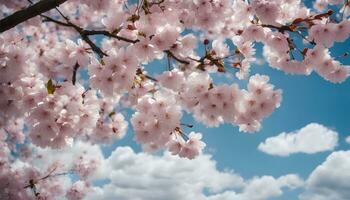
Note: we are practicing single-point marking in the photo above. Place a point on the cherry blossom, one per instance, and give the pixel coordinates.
(75, 73)
(77, 191)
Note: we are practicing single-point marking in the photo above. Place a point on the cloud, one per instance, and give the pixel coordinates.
(126, 175)
(141, 176)
(330, 180)
(66, 156)
(310, 139)
(265, 187)
(347, 139)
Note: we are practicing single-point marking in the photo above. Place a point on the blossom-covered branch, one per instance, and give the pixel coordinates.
(118, 47)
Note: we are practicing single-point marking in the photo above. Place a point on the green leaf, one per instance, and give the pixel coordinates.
(50, 87)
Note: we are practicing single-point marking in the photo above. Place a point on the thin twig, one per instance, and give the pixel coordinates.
(82, 33)
(150, 78)
(86, 33)
(169, 63)
(75, 69)
(279, 28)
(171, 54)
(106, 33)
(187, 125)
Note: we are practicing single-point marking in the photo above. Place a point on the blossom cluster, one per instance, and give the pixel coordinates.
(67, 75)
(214, 105)
(155, 119)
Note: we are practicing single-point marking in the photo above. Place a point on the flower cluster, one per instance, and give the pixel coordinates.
(22, 181)
(186, 146)
(86, 165)
(213, 105)
(116, 74)
(62, 115)
(155, 119)
(77, 191)
(65, 75)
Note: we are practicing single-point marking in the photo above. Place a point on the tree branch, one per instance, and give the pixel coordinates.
(74, 76)
(28, 13)
(281, 29)
(82, 33)
(171, 54)
(86, 33)
(108, 34)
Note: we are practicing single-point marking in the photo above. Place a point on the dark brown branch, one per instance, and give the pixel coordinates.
(279, 28)
(150, 78)
(293, 26)
(82, 33)
(28, 13)
(108, 34)
(86, 33)
(171, 54)
(93, 46)
(75, 69)
(140, 73)
(49, 19)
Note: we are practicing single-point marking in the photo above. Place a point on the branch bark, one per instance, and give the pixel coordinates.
(28, 13)
(75, 70)
(171, 54)
(84, 34)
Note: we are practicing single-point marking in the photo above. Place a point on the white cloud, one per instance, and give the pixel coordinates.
(310, 139)
(140, 176)
(265, 187)
(66, 156)
(347, 139)
(330, 180)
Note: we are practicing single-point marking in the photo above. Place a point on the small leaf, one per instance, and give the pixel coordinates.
(50, 87)
(140, 33)
(111, 114)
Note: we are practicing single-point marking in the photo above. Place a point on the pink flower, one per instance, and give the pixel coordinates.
(193, 147)
(77, 191)
(267, 11)
(338, 75)
(175, 147)
(277, 41)
(173, 80)
(144, 50)
(165, 38)
(254, 32)
(114, 20)
(78, 53)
